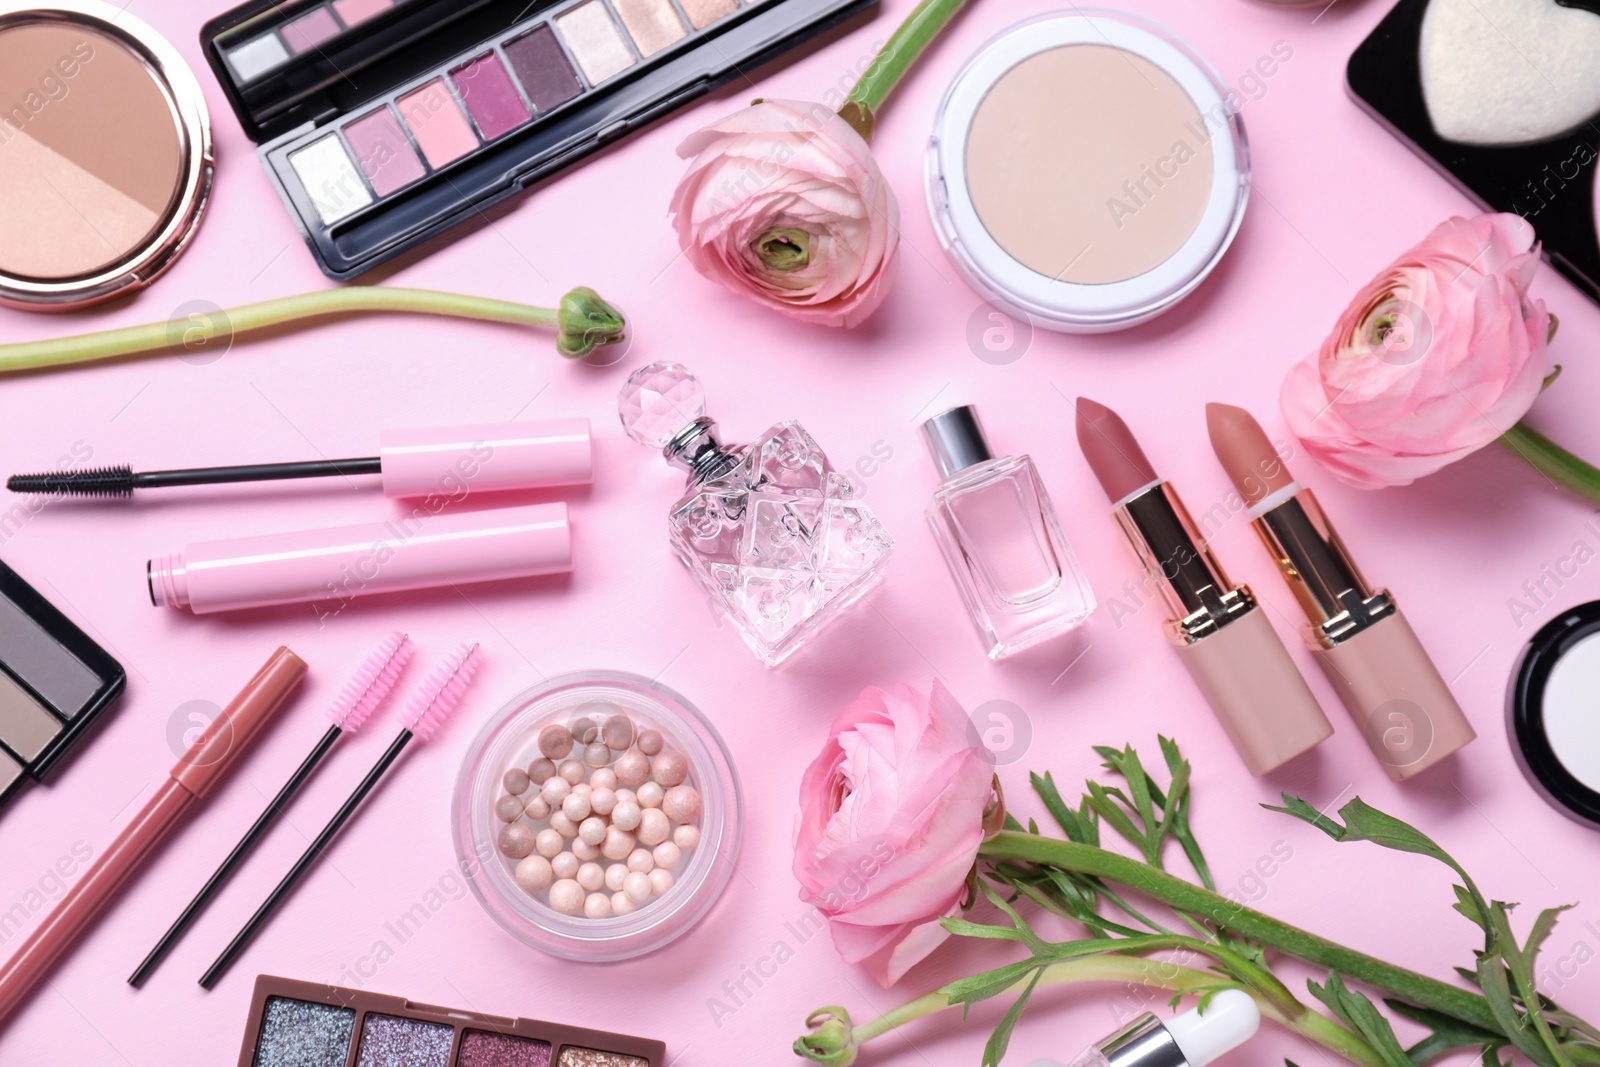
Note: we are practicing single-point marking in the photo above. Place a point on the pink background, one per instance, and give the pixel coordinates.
(1335, 198)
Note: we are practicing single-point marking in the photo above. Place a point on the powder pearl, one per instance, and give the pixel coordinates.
(615, 875)
(637, 887)
(654, 827)
(622, 904)
(593, 829)
(625, 816)
(666, 855)
(686, 837)
(618, 732)
(567, 897)
(516, 840)
(628, 795)
(660, 881)
(597, 906)
(549, 843)
(602, 801)
(583, 789)
(583, 850)
(534, 873)
(555, 741)
(640, 861)
(597, 755)
(603, 778)
(555, 790)
(651, 795)
(508, 808)
(576, 807)
(516, 781)
(565, 865)
(669, 768)
(651, 742)
(632, 768)
(563, 825)
(591, 876)
(585, 730)
(618, 843)
(541, 770)
(572, 771)
(538, 808)
(681, 804)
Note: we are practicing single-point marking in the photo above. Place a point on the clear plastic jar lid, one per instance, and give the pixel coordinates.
(511, 740)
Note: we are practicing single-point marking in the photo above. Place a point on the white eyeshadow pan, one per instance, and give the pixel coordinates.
(592, 35)
(330, 179)
(254, 58)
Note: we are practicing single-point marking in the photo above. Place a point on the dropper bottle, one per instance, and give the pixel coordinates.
(1193, 1039)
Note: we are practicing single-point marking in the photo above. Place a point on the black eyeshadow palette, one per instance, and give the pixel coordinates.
(384, 123)
(55, 682)
(1520, 139)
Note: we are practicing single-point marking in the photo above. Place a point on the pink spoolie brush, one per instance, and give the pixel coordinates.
(356, 703)
(423, 715)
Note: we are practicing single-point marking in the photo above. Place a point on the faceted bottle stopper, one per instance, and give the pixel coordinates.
(658, 401)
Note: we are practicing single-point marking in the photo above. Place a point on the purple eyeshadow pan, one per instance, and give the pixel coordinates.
(543, 69)
(308, 31)
(395, 1041)
(482, 1049)
(386, 157)
(492, 101)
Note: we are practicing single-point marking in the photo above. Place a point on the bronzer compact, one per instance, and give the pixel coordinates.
(1087, 170)
(105, 154)
(384, 123)
(1501, 97)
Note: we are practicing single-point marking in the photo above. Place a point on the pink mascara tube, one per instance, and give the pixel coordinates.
(420, 550)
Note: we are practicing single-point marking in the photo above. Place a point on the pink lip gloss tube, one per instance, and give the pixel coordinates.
(421, 550)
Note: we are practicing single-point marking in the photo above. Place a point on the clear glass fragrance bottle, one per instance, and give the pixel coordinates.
(994, 523)
(769, 529)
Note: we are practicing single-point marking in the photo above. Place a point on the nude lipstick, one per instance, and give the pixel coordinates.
(1221, 634)
(1364, 645)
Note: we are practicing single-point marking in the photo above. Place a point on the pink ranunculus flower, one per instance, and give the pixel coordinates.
(784, 203)
(891, 817)
(1437, 356)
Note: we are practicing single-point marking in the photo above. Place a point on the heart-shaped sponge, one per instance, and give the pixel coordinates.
(1498, 72)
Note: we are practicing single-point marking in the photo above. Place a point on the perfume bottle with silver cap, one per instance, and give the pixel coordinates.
(769, 529)
(998, 531)
(1193, 1039)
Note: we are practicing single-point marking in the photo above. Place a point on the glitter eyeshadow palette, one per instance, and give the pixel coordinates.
(54, 684)
(1453, 80)
(384, 123)
(302, 1024)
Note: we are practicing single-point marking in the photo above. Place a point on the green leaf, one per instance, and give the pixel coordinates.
(1446, 1032)
(1496, 986)
(1362, 1016)
(1064, 816)
(1304, 811)
(1101, 800)
(995, 1050)
(978, 987)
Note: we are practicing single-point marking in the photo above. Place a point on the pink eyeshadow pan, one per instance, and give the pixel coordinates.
(386, 157)
(308, 31)
(437, 123)
(354, 11)
(492, 101)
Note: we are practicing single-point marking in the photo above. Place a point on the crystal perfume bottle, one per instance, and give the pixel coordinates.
(994, 523)
(769, 529)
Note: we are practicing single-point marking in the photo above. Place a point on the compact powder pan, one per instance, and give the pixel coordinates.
(1551, 716)
(105, 154)
(1098, 215)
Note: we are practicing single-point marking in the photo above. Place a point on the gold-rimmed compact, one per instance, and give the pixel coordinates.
(105, 154)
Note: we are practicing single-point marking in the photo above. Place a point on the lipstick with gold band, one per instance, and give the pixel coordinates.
(1357, 634)
(1221, 634)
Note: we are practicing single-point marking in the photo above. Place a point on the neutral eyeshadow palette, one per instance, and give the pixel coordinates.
(1500, 96)
(54, 683)
(384, 123)
(302, 1024)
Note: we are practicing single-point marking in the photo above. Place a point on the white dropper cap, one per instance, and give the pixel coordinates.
(1231, 1018)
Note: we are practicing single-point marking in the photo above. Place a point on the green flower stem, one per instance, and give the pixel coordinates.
(1154, 973)
(583, 316)
(1086, 859)
(1553, 461)
(901, 50)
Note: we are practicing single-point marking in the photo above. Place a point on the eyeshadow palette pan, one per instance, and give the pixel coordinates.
(302, 1024)
(385, 122)
(54, 684)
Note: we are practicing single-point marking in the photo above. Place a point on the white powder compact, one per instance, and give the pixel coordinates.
(1550, 714)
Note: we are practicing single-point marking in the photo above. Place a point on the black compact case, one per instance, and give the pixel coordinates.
(299, 73)
(1550, 182)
